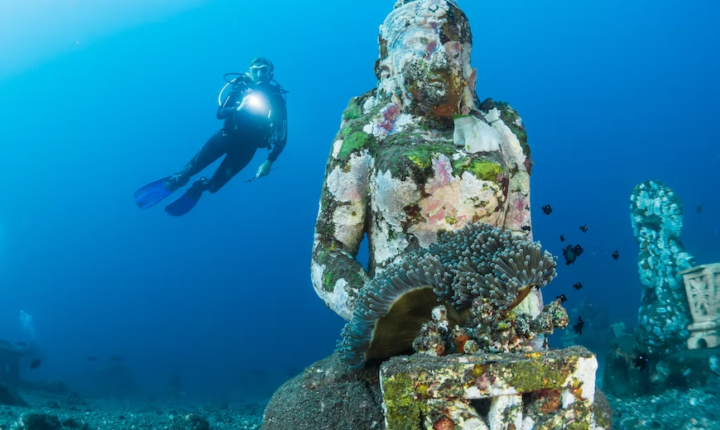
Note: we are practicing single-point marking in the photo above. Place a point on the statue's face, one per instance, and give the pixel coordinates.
(425, 57)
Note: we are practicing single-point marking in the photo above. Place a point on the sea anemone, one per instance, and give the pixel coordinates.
(391, 309)
(484, 261)
(477, 261)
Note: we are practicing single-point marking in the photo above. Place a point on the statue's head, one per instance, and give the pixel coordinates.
(424, 59)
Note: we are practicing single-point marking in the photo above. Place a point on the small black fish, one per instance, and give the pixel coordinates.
(616, 255)
(584, 228)
(578, 250)
(641, 361)
(579, 326)
(699, 209)
(578, 286)
(562, 298)
(35, 363)
(526, 228)
(21, 344)
(562, 238)
(547, 209)
(569, 254)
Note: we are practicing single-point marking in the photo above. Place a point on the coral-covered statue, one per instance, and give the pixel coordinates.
(416, 156)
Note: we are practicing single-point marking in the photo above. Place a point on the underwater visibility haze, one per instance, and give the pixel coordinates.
(218, 305)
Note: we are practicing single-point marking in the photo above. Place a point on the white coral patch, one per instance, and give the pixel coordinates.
(474, 135)
(348, 221)
(509, 144)
(390, 196)
(337, 299)
(336, 148)
(520, 183)
(584, 374)
(368, 105)
(505, 409)
(387, 246)
(403, 120)
(352, 185)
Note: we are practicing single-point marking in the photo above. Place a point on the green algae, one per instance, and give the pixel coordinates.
(353, 110)
(327, 282)
(339, 266)
(353, 142)
(402, 411)
(486, 170)
(535, 375)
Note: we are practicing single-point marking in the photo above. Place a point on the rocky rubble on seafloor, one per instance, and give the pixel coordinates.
(675, 409)
(46, 412)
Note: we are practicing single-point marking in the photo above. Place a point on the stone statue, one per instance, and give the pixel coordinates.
(663, 317)
(417, 155)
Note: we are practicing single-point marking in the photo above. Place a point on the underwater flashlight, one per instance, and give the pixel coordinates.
(255, 103)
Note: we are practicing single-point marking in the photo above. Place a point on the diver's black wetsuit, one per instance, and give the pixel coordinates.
(242, 134)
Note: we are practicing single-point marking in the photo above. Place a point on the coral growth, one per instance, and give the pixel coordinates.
(405, 285)
(479, 264)
(486, 262)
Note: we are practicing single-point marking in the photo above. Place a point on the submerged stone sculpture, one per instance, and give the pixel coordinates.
(548, 390)
(417, 155)
(439, 183)
(656, 216)
(702, 285)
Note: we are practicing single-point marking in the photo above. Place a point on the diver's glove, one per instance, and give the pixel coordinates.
(264, 169)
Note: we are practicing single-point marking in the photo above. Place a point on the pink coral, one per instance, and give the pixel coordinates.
(390, 114)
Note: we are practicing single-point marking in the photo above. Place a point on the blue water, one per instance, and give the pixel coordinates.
(96, 103)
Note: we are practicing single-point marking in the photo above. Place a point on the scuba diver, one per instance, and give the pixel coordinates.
(255, 116)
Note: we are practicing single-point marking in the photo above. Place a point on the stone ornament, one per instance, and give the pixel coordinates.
(702, 285)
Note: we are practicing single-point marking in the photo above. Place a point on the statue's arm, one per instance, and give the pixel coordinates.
(341, 224)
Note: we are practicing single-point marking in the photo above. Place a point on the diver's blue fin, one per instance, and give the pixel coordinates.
(183, 204)
(151, 194)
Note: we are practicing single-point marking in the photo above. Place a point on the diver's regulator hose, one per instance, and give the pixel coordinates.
(228, 83)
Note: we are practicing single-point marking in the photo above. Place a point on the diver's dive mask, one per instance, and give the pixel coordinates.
(259, 72)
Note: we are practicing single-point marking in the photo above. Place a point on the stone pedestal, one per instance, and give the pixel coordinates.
(539, 390)
(702, 285)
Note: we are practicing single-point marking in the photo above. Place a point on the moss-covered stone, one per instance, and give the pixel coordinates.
(423, 384)
(486, 170)
(403, 412)
(339, 266)
(354, 141)
(353, 110)
(535, 375)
